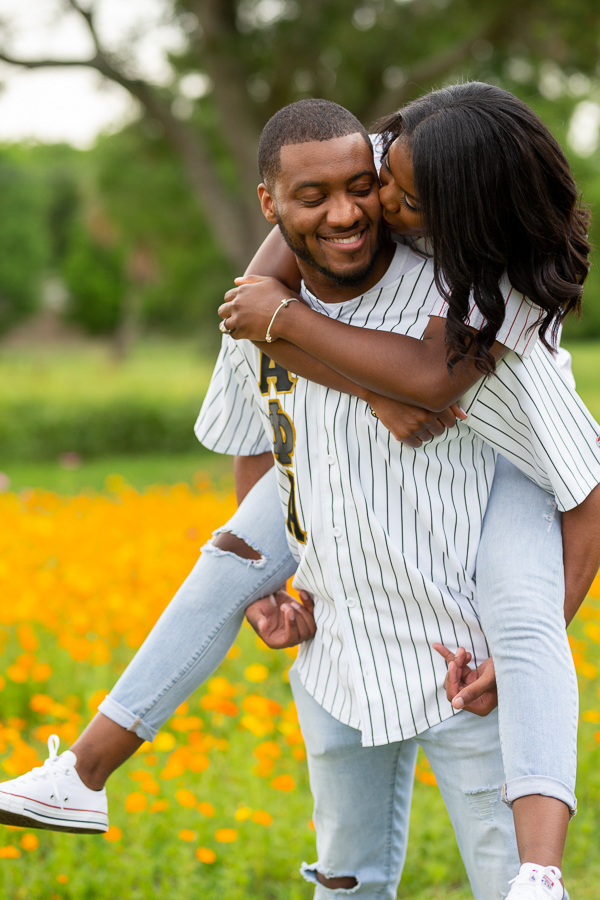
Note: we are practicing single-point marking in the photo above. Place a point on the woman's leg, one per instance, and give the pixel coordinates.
(192, 636)
(520, 586)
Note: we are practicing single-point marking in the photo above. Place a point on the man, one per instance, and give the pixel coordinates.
(385, 537)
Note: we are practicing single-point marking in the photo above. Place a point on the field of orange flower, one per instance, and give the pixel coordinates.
(218, 806)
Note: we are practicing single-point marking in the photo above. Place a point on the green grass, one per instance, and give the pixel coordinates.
(139, 471)
(586, 368)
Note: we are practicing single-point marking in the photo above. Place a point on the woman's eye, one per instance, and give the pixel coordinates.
(409, 205)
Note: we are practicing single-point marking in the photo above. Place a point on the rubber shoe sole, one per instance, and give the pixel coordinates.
(32, 814)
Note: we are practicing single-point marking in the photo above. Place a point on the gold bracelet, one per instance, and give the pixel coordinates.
(283, 303)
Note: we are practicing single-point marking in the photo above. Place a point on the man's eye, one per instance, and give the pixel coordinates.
(312, 200)
(362, 189)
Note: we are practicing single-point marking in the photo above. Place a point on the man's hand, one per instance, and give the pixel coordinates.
(471, 689)
(280, 621)
(411, 424)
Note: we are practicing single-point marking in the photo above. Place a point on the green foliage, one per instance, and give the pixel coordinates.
(94, 273)
(81, 401)
(24, 246)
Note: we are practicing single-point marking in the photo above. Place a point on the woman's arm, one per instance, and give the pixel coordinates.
(394, 365)
(275, 258)
(408, 423)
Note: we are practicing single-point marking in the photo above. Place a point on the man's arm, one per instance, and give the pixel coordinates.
(247, 470)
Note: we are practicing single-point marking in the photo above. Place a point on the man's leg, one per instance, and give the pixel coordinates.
(464, 753)
(362, 804)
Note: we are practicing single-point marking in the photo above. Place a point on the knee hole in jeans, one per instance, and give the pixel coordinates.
(228, 542)
(341, 882)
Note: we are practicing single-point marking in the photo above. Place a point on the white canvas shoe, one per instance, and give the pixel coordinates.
(537, 883)
(54, 797)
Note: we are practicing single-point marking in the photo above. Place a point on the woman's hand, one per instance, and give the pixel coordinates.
(250, 306)
(411, 424)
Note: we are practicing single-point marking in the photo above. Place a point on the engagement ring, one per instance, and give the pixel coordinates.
(223, 328)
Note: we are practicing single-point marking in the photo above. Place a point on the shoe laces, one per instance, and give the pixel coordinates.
(534, 878)
(50, 767)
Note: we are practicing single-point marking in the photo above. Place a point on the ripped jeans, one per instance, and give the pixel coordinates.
(362, 801)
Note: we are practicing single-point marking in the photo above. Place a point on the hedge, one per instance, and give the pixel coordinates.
(32, 430)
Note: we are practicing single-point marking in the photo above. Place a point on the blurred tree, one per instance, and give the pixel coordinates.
(243, 59)
(24, 249)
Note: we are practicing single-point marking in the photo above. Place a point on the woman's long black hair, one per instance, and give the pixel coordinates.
(496, 195)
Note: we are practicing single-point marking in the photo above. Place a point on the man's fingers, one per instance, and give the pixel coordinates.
(307, 601)
(443, 651)
(474, 691)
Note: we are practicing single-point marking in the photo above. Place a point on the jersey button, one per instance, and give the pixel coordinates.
(331, 460)
(337, 532)
(350, 602)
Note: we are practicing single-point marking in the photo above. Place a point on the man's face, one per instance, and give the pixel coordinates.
(326, 203)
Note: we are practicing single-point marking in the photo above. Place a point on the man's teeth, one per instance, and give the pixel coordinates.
(346, 240)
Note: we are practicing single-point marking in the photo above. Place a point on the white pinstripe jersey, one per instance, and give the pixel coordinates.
(385, 535)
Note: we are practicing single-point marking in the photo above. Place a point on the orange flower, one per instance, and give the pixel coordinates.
(262, 818)
(206, 855)
(256, 673)
(186, 798)
(226, 835)
(113, 834)
(207, 809)
(283, 783)
(158, 806)
(62, 879)
(29, 842)
(186, 834)
(9, 852)
(136, 802)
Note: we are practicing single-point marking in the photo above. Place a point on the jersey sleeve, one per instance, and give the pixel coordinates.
(530, 414)
(230, 420)
(518, 332)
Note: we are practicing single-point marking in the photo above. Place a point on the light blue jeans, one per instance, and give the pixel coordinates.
(520, 587)
(362, 799)
(520, 590)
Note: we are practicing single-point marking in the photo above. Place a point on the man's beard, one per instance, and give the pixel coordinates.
(354, 279)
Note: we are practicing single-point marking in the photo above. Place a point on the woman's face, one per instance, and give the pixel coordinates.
(401, 211)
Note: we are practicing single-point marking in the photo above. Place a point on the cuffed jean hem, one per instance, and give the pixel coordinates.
(539, 784)
(126, 719)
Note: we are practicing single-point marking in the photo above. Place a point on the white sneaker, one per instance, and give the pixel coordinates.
(536, 883)
(54, 797)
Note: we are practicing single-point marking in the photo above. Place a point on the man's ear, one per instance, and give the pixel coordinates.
(267, 204)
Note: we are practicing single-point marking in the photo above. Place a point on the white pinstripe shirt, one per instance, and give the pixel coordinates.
(385, 535)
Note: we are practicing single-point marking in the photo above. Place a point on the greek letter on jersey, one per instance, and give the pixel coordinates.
(271, 373)
(284, 433)
(293, 525)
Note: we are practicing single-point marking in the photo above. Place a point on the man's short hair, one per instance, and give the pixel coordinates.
(299, 123)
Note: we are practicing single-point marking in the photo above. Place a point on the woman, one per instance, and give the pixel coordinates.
(474, 170)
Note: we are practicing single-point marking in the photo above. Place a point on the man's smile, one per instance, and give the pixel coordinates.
(347, 242)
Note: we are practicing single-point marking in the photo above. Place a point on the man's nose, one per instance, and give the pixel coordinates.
(343, 212)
